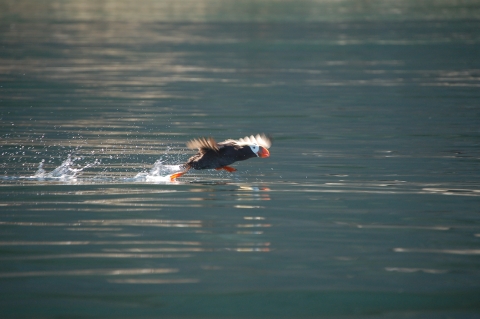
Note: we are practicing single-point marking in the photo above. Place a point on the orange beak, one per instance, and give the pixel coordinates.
(263, 152)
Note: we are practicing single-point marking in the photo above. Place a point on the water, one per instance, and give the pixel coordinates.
(367, 208)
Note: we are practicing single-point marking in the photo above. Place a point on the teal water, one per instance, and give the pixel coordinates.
(367, 208)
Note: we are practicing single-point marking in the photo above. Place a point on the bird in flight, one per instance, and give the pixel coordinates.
(213, 155)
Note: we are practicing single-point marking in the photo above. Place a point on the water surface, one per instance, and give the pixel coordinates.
(367, 207)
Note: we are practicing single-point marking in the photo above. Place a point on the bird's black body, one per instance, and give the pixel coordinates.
(213, 155)
(224, 156)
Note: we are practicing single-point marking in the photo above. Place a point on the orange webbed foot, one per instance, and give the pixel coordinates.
(173, 177)
(227, 168)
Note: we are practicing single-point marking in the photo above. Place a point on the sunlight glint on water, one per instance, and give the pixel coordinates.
(367, 206)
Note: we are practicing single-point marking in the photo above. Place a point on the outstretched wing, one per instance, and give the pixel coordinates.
(203, 144)
(259, 139)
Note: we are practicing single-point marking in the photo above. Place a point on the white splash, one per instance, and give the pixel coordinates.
(160, 172)
(66, 170)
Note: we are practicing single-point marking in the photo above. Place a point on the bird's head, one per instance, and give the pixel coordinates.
(260, 151)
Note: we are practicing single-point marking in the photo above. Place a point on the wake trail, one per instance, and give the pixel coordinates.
(70, 171)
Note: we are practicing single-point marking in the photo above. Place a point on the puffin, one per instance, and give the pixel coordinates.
(213, 155)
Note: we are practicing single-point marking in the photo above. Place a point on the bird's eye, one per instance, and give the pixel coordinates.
(255, 148)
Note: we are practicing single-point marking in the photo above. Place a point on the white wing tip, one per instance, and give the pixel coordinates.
(259, 139)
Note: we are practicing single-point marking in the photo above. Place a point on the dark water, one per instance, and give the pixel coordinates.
(367, 207)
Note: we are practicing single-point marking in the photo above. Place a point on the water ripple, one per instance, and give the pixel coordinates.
(414, 270)
(438, 251)
(89, 272)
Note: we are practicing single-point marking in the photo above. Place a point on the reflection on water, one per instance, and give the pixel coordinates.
(234, 11)
(131, 250)
(69, 243)
(90, 272)
(98, 256)
(413, 270)
(368, 204)
(153, 281)
(440, 251)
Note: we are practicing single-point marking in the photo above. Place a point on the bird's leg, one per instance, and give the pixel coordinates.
(227, 168)
(173, 177)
